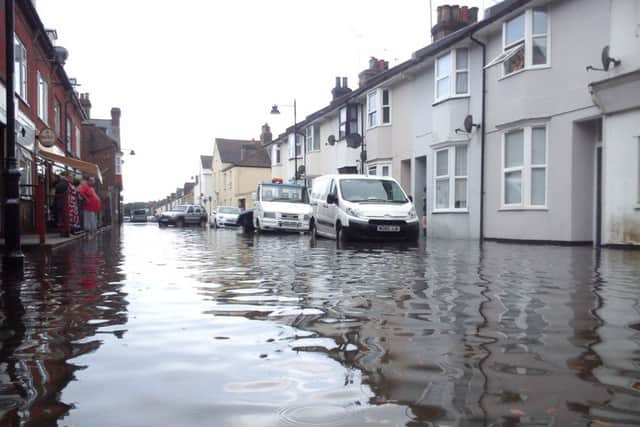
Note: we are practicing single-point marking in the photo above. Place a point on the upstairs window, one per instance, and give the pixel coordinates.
(378, 108)
(525, 42)
(347, 120)
(68, 135)
(43, 99)
(298, 145)
(20, 63)
(313, 138)
(276, 154)
(57, 119)
(452, 74)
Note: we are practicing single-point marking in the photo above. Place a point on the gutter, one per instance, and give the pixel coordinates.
(483, 131)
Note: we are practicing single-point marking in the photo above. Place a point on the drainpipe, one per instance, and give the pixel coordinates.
(483, 132)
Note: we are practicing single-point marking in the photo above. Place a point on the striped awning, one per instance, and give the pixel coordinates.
(84, 167)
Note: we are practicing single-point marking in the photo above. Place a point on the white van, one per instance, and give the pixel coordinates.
(359, 207)
(280, 206)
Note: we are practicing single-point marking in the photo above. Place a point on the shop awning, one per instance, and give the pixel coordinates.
(84, 167)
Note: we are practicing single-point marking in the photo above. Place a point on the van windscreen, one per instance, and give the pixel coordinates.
(371, 191)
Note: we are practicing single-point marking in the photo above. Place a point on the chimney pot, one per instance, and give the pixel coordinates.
(337, 82)
(345, 84)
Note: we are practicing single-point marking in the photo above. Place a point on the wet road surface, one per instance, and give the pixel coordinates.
(196, 327)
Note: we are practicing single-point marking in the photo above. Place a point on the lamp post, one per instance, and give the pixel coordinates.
(275, 110)
(13, 258)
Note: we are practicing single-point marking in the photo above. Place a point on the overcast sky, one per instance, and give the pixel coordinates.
(187, 72)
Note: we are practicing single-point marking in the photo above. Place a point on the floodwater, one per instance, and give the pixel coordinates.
(195, 327)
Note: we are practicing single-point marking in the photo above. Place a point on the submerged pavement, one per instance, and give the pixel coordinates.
(145, 327)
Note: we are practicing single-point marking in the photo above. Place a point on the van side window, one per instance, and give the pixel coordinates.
(190, 210)
(334, 188)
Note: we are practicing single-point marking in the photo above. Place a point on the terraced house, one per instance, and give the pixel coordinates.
(493, 127)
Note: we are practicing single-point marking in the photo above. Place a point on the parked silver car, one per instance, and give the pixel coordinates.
(182, 215)
(223, 216)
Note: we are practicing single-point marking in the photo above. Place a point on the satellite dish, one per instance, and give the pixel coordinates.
(331, 140)
(607, 60)
(354, 140)
(363, 155)
(468, 123)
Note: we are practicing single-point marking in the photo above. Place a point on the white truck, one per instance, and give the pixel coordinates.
(281, 207)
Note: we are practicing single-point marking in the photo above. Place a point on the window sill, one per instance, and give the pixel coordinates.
(523, 208)
(293, 158)
(383, 125)
(313, 151)
(441, 101)
(522, 70)
(450, 211)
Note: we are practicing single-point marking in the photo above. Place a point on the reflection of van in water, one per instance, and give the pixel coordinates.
(139, 215)
(358, 206)
(281, 206)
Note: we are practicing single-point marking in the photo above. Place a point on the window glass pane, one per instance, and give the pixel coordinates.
(385, 97)
(461, 161)
(538, 146)
(442, 194)
(461, 194)
(373, 119)
(443, 88)
(442, 162)
(372, 170)
(461, 82)
(462, 59)
(537, 186)
(443, 66)
(514, 149)
(515, 62)
(385, 171)
(513, 187)
(539, 50)
(373, 102)
(514, 30)
(386, 114)
(539, 22)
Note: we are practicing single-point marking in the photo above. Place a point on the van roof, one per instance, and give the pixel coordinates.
(356, 176)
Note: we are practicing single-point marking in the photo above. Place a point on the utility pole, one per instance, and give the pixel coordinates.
(13, 258)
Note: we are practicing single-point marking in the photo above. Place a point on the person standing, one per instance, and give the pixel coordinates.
(91, 207)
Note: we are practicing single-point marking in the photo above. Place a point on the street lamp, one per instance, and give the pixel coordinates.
(275, 110)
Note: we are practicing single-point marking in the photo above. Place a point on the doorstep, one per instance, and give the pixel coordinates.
(52, 240)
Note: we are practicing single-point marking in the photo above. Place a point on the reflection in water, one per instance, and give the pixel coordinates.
(50, 319)
(245, 330)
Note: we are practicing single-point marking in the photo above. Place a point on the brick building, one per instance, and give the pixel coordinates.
(44, 98)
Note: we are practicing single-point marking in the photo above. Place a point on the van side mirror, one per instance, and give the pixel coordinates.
(410, 198)
(332, 199)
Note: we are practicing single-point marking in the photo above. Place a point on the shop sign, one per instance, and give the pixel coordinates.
(47, 137)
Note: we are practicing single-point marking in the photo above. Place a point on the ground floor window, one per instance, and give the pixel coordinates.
(524, 170)
(450, 178)
(379, 169)
(25, 163)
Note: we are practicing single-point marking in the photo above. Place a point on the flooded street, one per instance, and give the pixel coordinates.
(196, 327)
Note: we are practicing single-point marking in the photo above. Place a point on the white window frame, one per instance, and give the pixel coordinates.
(313, 139)
(451, 177)
(43, 98)
(526, 169)
(378, 167)
(452, 75)
(57, 117)
(342, 125)
(21, 68)
(511, 49)
(277, 155)
(78, 138)
(377, 108)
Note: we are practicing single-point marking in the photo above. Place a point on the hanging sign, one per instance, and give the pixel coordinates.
(47, 137)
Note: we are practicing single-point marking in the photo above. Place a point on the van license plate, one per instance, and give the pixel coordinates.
(387, 228)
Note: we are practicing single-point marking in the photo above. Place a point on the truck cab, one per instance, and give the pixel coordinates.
(281, 206)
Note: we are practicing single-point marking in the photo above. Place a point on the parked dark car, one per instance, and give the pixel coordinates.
(182, 215)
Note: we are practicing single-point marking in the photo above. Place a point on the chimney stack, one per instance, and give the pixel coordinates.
(86, 104)
(265, 136)
(340, 90)
(453, 18)
(376, 66)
